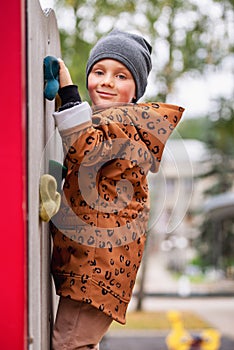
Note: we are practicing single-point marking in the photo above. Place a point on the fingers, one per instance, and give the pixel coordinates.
(64, 75)
(61, 63)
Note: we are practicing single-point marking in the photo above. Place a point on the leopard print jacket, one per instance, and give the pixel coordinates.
(100, 230)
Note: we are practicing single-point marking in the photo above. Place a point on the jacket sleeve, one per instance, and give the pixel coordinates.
(84, 141)
(116, 132)
(156, 122)
(76, 117)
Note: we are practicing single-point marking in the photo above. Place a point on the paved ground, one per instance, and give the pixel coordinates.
(148, 343)
(133, 343)
(218, 312)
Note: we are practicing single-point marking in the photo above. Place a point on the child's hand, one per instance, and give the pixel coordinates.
(64, 75)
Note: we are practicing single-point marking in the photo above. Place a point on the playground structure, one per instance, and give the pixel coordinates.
(28, 141)
(180, 339)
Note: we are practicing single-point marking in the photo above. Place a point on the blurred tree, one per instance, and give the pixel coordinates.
(215, 243)
(186, 38)
(221, 143)
(193, 128)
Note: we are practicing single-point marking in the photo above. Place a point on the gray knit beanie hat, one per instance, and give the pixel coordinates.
(131, 50)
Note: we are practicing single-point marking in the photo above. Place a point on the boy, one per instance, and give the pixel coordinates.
(100, 230)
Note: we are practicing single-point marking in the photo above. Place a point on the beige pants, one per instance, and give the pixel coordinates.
(78, 326)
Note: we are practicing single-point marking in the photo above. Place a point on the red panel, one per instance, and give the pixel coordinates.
(13, 299)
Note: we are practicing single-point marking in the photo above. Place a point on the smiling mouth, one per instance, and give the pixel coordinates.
(106, 93)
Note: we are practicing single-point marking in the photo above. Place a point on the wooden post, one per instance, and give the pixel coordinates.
(43, 144)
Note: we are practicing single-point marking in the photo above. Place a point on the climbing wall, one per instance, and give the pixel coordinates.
(43, 144)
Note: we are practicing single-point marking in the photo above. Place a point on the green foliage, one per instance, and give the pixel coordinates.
(181, 35)
(216, 244)
(222, 129)
(220, 141)
(194, 128)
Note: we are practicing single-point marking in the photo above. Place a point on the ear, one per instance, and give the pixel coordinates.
(50, 199)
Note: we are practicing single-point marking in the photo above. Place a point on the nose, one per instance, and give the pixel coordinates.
(107, 80)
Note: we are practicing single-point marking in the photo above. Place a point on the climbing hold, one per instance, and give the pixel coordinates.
(51, 77)
(50, 199)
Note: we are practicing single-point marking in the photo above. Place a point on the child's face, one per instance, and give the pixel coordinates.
(110, 81)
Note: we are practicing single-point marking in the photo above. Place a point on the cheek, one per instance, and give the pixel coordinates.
(129, 91)
(90, 83)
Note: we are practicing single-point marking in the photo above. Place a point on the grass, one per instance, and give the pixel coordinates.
(146, 320)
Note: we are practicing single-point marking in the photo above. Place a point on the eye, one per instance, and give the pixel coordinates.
(121, 76)
(98, 72)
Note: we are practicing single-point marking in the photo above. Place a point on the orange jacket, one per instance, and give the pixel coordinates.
(100, 230)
